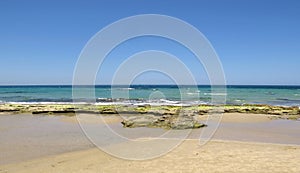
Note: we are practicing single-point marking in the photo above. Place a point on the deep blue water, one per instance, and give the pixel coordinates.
(273, 95)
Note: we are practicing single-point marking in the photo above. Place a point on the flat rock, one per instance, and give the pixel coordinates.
(165, 121)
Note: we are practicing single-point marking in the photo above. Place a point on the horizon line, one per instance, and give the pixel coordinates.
(150, 85)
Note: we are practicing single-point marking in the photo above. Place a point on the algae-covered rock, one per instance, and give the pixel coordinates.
(183, 122)
(108, 111)
(139, 121)
(166, 122)
(279, 111)
(198, 125)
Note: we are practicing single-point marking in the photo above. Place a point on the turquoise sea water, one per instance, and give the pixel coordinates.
(273, 95)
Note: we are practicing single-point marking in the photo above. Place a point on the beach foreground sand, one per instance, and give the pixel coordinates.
(46, 144)
(215, 156)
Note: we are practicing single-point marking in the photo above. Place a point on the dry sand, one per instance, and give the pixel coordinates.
(215, 156)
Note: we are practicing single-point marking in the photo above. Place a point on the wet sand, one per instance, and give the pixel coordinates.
(52, 143)
(25, 136)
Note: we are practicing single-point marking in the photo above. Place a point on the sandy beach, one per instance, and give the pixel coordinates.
(216, 156)
(243, 143)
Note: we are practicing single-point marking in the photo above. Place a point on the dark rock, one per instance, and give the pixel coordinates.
(9, 110)
(108, 111)
(40, 112)
(144, 106)
(54, 112)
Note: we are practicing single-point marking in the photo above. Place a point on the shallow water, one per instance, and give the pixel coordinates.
(275, 131)
(26, 137)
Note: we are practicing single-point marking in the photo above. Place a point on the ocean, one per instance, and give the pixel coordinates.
(154, 94)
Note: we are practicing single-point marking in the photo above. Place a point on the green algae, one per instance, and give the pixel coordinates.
(156, 110)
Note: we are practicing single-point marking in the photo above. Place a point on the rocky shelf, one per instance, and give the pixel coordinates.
(169, 117)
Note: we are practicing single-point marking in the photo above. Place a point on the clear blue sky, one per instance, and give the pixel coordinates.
(258, 41)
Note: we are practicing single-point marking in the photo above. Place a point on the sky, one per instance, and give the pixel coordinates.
(257, 41)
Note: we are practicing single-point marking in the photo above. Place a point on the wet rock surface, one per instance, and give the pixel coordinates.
(163, 115)
(178, 122)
